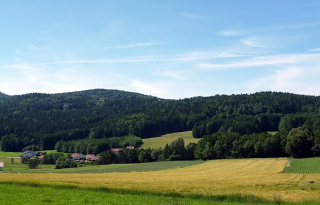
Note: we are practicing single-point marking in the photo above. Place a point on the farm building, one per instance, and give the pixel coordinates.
(29, 154)
(116, 150)
(1, 165)
(77, 156)
(92, 157)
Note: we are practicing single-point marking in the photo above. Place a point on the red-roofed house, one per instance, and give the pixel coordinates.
(116, 150)
(77, 156)
(1, 165)
(92, 157)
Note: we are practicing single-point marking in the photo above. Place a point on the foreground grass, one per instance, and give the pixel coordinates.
(303, 166)
(161, 141)
(138, 167)
(24, 194)
(261, 178)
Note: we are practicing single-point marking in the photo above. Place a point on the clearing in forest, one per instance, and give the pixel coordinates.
(156, 142)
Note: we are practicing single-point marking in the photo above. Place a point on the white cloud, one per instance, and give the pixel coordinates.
(299, 80)
(315, 50)
(231, 33)
(251, 42)
(135, 45)
(281, 80)
(159, 89)
(172, 74)
(194, 56)
(272, 60)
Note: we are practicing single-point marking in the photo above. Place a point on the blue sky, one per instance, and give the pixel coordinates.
(170, 49)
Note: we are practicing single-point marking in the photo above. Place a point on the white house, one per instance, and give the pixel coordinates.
(1, 165)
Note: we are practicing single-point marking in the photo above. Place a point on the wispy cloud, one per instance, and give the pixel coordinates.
(294, 79)
(160, 89)
(193, 56)
(135, 45)
(281, 80)
(176, 75)
(251, 42)
(231, 33)
(315, 50)
(290, 27)
(272, 60)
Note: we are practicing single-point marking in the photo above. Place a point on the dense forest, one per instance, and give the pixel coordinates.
(47, 119)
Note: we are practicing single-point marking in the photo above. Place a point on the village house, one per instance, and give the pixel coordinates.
(77, 156)
(92, 158)
(1, 165)
(29, 154)
(116, 150)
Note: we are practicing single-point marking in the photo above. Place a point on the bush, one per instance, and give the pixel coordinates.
(33, 163)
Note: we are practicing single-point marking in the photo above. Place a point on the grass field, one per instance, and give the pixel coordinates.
(161, 141)
(139, 167)
(17, 194)
(303, 166)
(10, 154)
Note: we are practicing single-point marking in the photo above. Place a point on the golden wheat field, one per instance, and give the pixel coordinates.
(260, 177)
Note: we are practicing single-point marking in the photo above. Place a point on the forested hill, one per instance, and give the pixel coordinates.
(43, 119)
(3, 96)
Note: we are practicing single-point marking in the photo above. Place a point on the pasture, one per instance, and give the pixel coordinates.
(161, 141)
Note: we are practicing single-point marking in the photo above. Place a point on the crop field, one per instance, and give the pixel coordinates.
(246, 177)
(161, 141)
(303, 166)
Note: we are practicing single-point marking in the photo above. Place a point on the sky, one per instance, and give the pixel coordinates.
(169, 49)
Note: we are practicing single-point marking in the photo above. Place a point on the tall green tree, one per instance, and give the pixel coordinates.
(299, 142)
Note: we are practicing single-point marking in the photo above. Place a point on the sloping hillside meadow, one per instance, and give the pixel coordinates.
(156, 142)
(258, 177)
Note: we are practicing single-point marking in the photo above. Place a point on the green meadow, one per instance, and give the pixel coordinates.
(156, 142)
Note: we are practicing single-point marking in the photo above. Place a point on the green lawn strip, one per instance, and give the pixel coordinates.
(10, 154)
(23, 193)
(138, 167)
(303, 166)
(161, 141)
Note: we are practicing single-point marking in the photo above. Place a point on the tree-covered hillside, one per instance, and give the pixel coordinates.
(44, 120)
(3, 96)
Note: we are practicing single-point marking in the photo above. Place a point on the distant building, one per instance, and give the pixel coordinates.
(92, 157)
(77, 156)
(29, 154)
(116, 150)
(130, 147)
(1, 165)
